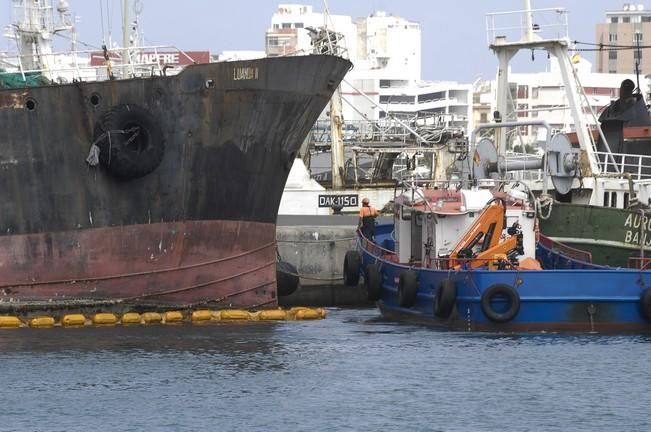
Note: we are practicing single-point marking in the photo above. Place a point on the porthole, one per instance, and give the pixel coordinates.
(30, 104)
(94, 99)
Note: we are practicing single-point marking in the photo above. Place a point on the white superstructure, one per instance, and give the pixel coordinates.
(34, 25)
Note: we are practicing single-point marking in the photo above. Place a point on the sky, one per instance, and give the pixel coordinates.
(454, 45)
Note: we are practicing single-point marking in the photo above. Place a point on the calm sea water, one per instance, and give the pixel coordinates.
(350, 372)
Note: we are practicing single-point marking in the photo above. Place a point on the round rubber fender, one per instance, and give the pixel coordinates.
(645, 304)
(445, 299)
(352, 266)
(287, 279)
(374, 282)
(407, 288)
(504, 290)
(130, 141)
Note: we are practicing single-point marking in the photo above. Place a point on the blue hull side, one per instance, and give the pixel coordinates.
(588, 300)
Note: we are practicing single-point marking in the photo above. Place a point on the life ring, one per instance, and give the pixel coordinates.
(374, 285)
(446, 297)
(645, 304)
(352, 265)
(130, 142)
(407, 288)
(503, 290)
(287, 279)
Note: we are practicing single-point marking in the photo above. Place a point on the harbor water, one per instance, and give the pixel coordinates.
(352, 371)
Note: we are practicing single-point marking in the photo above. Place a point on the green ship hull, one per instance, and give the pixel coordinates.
(612, 236)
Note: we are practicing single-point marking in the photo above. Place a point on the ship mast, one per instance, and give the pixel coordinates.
(126, 58)
(336, 118)
(558, 47)
(33, 28)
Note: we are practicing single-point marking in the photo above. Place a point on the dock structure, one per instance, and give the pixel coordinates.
(316, 246)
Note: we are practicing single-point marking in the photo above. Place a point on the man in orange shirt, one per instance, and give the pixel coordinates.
(367, 215)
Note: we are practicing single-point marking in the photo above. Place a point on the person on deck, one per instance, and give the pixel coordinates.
(367, 215)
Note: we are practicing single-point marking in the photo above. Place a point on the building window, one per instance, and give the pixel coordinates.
(523, 110)
(276, 26)
(602, 91)
(534, 93)
(298, 25)
(483, 118)
(626, 19)
(614, 20)
(646, 19)
(612, 37)
(523, 92)
(272, 41)
(612, 55)
(287, 25)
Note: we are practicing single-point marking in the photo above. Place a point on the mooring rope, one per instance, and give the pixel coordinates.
(318, 241)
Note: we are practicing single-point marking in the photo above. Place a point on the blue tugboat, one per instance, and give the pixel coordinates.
(468, 254)
(465, 259)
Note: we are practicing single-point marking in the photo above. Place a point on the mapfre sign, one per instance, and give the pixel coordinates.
(172, 58)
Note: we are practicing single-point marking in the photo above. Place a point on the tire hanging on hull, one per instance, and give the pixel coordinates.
(352, 265)
(130, 141)
(287, 279)
(373, 280)
(502, 290)
(645, 304)
(446, 297)
(407, 288)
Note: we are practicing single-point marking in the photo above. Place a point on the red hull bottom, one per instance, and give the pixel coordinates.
(221, 264)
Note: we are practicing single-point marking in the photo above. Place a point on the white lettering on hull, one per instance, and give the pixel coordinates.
(245, 73)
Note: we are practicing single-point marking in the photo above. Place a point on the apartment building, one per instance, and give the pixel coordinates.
(622, 39)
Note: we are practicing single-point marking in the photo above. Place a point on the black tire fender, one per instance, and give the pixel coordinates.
(287, 279)
(352, 266)
(407, 288)
(374, 282)
(645, 304)
(507, 291)
(130, 141)
(445, 298)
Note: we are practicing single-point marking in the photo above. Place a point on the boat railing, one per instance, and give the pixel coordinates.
(375, 249)
(638, 166)
(577, 254)
(547, 23)
(384, 131)
(438, 263)
(129, 62)
(638, 263)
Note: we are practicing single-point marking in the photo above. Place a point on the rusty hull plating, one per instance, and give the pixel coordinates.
(197, 230)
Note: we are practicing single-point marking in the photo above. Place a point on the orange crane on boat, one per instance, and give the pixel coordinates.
(481, 243)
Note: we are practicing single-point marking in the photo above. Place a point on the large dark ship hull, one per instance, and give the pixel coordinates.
(189, 223)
